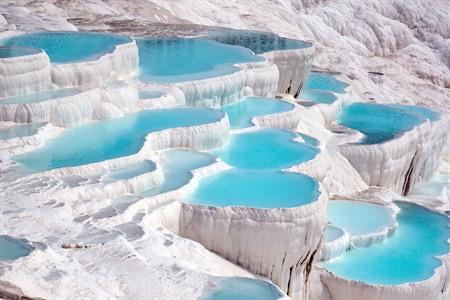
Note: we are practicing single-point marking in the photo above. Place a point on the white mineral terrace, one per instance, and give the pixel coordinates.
(106, 176)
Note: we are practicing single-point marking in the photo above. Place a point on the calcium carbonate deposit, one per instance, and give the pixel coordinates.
(225, 150)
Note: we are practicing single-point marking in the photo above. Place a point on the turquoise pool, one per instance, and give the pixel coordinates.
(110, 139)
(241, 113)
(166, 60)
(332, 233)
(325, 82)
(13, 51)
(177, 167)
(236, 288)
(407, 256)
(69, 46)
(11, 248)
(317, 96)
(255, 188)
(265, 149)
(359, 218)
(41, 96)
(259, 42)
(380, 123)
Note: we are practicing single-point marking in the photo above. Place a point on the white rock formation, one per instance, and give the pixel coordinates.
(278, 243)
(23, 75)
(121, 64)
(401, 162)
(95, 104)
(253, 79)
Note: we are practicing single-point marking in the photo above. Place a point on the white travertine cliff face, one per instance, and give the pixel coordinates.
(254, 78)
(23, 75)
(293, 66)
(278, 243)
(121, 64)
(400, 163)
(95, 104)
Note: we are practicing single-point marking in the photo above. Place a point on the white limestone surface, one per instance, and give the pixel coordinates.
(278, 243)
(260, 78)
(120, 64)
(94, 104)
(293, 65)
(23, 75)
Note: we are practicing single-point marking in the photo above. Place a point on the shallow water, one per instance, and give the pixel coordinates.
(41, 96)
(68, 47)
(325, 82)
(317, 96)
(380, 123)
(359, 218)
(21, 130)
(407, 256)
(265, 149)
(259, 189)
(110, 139)
(332, 233)
(241, 113)
(11, 248)
(258, 42)
(168, 60)
(8, 52)
(235, 288)
(177, 167)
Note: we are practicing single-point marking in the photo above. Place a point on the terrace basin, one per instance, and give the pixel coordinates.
(258, 189)
(235, 288)
(169, 60)
(111, 139)
(317, 96)
(177, 167)
(407, 256)
(11, 248)
(380, 122)
(359, 218)
(265, 149)
(325, 82)
(69, 47)
(241, 113)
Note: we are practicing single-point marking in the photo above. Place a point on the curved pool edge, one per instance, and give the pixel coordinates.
(416, 152)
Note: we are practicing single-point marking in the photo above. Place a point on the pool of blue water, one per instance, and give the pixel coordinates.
(177, 167)
(317, 96)
(324, 81)
(265, 149)
(11, 248)
(41, 96)
(168, 60)
(21, 130)
(110, 139)
(258, 42)
(69, 47)
(235, 288)
(407, 256)
(309, 139)
(255, 188)
(241, 113)
(132, 170)
(332, 233)
(8, 52)
(359, 218)
(150, 94)
(380, 123)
